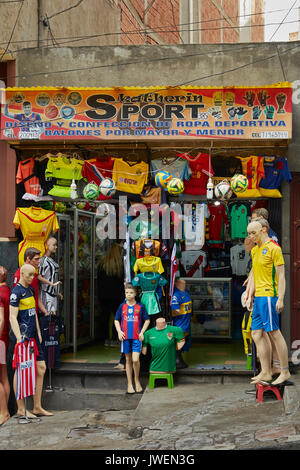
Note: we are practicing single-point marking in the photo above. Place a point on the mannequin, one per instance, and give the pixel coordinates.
(181, 305)
(23, 294)
(267, 293)
(4, 341)
(48, 276)
(164, 341)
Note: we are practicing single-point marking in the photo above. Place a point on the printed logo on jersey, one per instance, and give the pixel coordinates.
(265, 251)
(13, 298)
(170, 336)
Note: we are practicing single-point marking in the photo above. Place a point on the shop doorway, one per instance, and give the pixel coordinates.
(295, 258)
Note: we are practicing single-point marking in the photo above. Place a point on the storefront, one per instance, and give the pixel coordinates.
(128, 135)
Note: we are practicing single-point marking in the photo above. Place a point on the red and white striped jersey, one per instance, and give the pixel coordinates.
(24, 360)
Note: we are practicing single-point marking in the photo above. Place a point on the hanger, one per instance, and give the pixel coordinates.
(43, 157)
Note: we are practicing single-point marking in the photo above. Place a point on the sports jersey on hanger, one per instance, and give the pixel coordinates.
(24, 360)
(194, 262)
(201, 169)
(149, 263)
(239, 259)
(51, 328)
(149, 282)
(146, 247)
(181, 301)
(36, 225)
(129, 176)
(64, 168)
(217, 221)
(96, 170)
(194, 225)
(276, 169)
(253, 168)
(239, 218)
(26, 174)
(178, 168)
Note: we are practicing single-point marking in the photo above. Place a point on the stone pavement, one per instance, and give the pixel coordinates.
(188, 417)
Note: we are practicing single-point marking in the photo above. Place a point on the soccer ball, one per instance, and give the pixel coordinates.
(175, 186)
(223, 190)
(60, 207)
(81, 205)
(107, 187)
(239, 183)
(162, 178)
(91, 191)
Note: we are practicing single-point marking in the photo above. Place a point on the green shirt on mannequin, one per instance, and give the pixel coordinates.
(163, 347)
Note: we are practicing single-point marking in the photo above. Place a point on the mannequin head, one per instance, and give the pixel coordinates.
(32, 256)
(160, 323)
(51, 246)
(258, 231)
(130, 292)
(3, 274)
(27, 273)
(180, 284)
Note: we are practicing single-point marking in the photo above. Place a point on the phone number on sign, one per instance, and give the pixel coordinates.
(272, 135)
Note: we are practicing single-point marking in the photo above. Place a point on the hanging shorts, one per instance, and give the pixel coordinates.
(131, 345)
(264, 315)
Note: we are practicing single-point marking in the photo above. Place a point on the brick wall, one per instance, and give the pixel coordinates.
(257, 32)
(160, 21)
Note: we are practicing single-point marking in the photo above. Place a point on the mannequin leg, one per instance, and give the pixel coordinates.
(282, 351)
(264, 353)
(136, 370)
(129, 369)
(4, 414)
(37, 398)
(21, 403)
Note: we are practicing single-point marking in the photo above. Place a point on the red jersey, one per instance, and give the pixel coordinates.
(4, 302)
(24, 360)
(34, 284)
(201, 170)
(253, 168)
(217, 221)
(96, 170)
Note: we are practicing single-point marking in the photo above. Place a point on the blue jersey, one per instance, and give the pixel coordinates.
(181, 301)
(131, 319)
(24, 299)
(178, 168)
(276, 170)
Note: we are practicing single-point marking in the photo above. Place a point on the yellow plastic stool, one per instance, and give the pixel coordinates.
(168, 377)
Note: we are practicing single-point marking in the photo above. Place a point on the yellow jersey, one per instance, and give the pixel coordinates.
(36, 224)
(264, 260)
(149, 264)
(130, 177)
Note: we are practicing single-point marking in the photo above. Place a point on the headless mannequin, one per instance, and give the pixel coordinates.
(27, 273)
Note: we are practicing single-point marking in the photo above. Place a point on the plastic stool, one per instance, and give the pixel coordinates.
(168, 377)
(260, 389)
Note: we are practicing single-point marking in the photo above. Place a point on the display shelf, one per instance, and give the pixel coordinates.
(214, 320)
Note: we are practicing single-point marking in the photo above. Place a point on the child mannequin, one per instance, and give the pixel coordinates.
(129, 320)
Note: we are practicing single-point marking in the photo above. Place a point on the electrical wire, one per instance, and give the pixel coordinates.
(13, 30)
(159, 28)
(283, 20)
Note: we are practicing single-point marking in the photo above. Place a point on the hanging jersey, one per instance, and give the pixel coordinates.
(146, 247)
(194, 225)
(131, 319)
(23, 298)
(150, 263)
(149, 283)
(4, 303)
(64, 168)
(264, 260)
(253, 169)
(194, 262)
(36, 225)
(178, 168)
(201, 170)
(51, 328)
(173, 271)
(239, 219)
(181, 301)
(96, 170)
(24, 360)
(49, 269)
(26, 174)
(130, 177)
(239, 259)
(217, 221)
(276, 169)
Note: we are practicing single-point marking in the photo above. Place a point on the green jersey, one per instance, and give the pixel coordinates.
(239, 220)
(163, 347)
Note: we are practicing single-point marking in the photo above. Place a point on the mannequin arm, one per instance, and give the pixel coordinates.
(180, 345)
(13, 315)
(46, 281)
(121, 335)
(42, 307)
(145, 326)
(144, 350)
(281, 287)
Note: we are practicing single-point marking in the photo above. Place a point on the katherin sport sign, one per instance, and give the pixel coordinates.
(147, 113)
